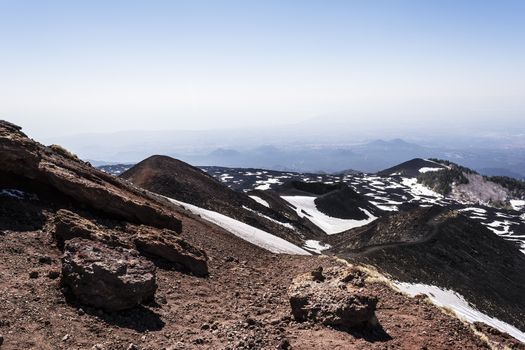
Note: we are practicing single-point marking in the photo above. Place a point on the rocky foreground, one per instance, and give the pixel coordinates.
(88, 261)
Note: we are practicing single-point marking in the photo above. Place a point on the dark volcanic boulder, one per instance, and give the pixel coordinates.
(173, 249)
(109, 279)
(67, 225)
(332, 298)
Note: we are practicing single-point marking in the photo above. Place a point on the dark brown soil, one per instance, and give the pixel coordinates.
(243, 304)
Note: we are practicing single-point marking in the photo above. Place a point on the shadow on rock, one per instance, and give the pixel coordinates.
(18, 214)
(173, 266)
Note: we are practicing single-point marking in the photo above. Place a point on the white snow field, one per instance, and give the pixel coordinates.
(249, 233)
(316, 246)
(266, 184)
(426, 169)
(421, 192)
(260, 201)
(517, 204)
(305, 207)
(459, 305)
(284, 224)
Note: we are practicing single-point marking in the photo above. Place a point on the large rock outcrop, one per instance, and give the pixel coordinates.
(149, 241)
(66, 225)
(332, 298)
(55, 168)
(166, 245)
(109, 279)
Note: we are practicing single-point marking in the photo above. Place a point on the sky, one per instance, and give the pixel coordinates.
(69, 67)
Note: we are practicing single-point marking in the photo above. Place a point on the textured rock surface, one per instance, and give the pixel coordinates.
(67, 225)
(109, 279)
(173, 249)
(332, 298)
(22, 157)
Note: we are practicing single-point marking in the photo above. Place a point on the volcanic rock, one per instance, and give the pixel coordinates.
(46, 168)
(109, 279)
(67, 225)
(332, 300)
(173, 249)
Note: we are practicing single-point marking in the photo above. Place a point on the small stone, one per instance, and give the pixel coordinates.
(317, 274)
(97, 347)
(162, 300)
(66, 337)
(53, 274)
(275, 321)
(81, 312)
(1, 339)
(45, 260)
(205, 326)
(33, 274)
(284, 345)
(231, 259)
(199, 341)
(133, 347)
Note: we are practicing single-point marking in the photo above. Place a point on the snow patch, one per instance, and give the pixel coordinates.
(305, 207)
(456, 302)
(316, 246)
(421, 192)
(517, 204)
(249, 233)
(500, 227)
(284, 224)
(478, 211)
(260, 201)
(264, 185)
(427, 169)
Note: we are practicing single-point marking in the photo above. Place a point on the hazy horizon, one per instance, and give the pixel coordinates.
(107, 66)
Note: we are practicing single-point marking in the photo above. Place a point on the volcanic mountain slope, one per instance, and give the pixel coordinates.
(176, 179)
(412, 168)
(335, 200)
(440, 247)
(460, 183)
(183, 182)
(63, 221)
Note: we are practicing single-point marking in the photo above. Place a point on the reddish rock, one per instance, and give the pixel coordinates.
(174, 249)
(109, 279)
(330, 298)
(57, 169)
(67, 225)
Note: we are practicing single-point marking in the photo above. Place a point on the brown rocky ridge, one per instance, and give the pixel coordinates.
(63, 223)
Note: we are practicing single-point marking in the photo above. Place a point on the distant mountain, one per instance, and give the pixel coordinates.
(178, 180)
(412, 168)
(304, 147)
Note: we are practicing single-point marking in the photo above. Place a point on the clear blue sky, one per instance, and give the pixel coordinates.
(78, 66)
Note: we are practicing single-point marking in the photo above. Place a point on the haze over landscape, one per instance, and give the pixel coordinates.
(211, 82)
